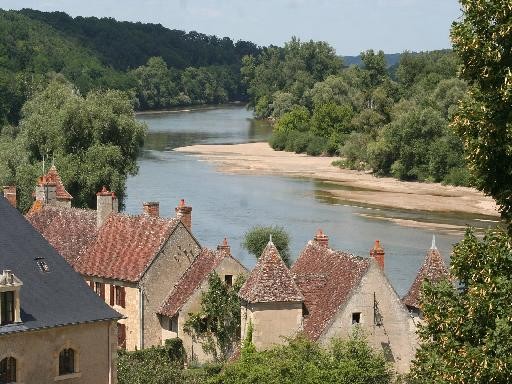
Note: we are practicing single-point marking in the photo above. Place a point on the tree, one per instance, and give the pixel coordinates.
(466, 337)
(94, 140)
(256, 239)
(217, 325)
(482, 39)
(349, 361)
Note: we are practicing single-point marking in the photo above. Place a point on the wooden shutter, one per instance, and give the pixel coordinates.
(102, 291)
(91, 284)
(111, 295)
(123, 295)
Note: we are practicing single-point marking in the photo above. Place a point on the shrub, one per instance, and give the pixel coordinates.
(278, 140)
(457, 176)
(316, 146)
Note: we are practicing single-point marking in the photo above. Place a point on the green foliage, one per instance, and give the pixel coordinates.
(257, 238)
(94, 141)
(175, 350)
(481, 38)
(349, 361)
(467, 333)
(148, 366)
(217, 325)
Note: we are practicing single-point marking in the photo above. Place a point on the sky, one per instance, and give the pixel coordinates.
(350, 26)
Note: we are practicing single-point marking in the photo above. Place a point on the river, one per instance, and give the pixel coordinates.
(227, 205)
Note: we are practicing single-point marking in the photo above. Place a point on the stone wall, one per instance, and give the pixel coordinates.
(272, 322)
(397, 332)
(172, 261)
(37, 353)
(194, 351)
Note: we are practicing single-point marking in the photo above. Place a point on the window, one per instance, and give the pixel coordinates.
(228, 279)
(120, 295)
(8, 370)
(41, 263)
(173, 324)
(121, 336)
(7, 307)
(99, 288)
(356, 317)
(66, 361)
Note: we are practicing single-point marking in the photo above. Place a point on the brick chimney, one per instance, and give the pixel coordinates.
(10, 194)
(151, 208)
(106, 203)
(322, 239)
(224, 247)
(184, 213)
(377, 252)
(46, 191)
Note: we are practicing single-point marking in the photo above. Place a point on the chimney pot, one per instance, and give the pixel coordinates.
(184, 213)
(224, 247)
(322, 239)
(377, 252)
(151, 208)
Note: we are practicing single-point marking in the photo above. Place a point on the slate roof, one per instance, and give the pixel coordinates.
(70, 231)
(327, 279)
(192, 279)
(270, 280)
(47, 299)
(54, 177)
(433, 269)
(125, 246)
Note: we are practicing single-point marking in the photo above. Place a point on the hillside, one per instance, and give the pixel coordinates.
(125, 45)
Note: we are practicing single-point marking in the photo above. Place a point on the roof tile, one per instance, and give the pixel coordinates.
(433, 269)
(326, 279)
(270, 280)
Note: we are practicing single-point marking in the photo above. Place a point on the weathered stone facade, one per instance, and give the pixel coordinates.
(393, 332)
(37, 353)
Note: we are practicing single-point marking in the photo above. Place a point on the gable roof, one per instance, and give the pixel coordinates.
(125, 246)
(433, 269)
(47, 299)
(270, 280)
(192, 279)
(327, 279)
(70, 231)
(54, 177)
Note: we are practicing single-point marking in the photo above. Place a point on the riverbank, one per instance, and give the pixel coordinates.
(343, 184)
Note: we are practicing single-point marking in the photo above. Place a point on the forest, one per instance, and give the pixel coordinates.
(391, 120)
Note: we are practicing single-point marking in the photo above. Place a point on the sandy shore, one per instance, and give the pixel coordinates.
(347, 185)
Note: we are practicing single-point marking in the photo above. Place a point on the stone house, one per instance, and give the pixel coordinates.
(433, 270)
(52, 326)
(332, 293)
(185, 297)
(129, 261)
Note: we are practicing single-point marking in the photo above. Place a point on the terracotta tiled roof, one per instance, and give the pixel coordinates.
(192, 279)
(69, 230)
(54, 177)
(270, 280)
(125, 246)
(326, 279)
(433, 269)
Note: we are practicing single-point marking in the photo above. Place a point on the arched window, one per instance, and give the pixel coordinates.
(8, 370)
(67, 361)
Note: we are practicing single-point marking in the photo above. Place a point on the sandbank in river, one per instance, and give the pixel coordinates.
(347, 185)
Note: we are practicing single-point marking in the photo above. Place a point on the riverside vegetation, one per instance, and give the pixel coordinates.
(392, 120)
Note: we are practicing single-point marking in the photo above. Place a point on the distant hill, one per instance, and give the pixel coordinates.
(391, 58)
(125, 45)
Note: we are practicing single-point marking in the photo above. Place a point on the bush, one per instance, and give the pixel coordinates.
(278, 140)
(457, 176)
(316, 146)
(175, 350)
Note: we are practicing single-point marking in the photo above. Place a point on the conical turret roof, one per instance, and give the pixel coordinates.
(270, 280)
(433, 269)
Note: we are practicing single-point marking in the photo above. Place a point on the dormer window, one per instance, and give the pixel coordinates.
(41, 263)
(9, 298)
